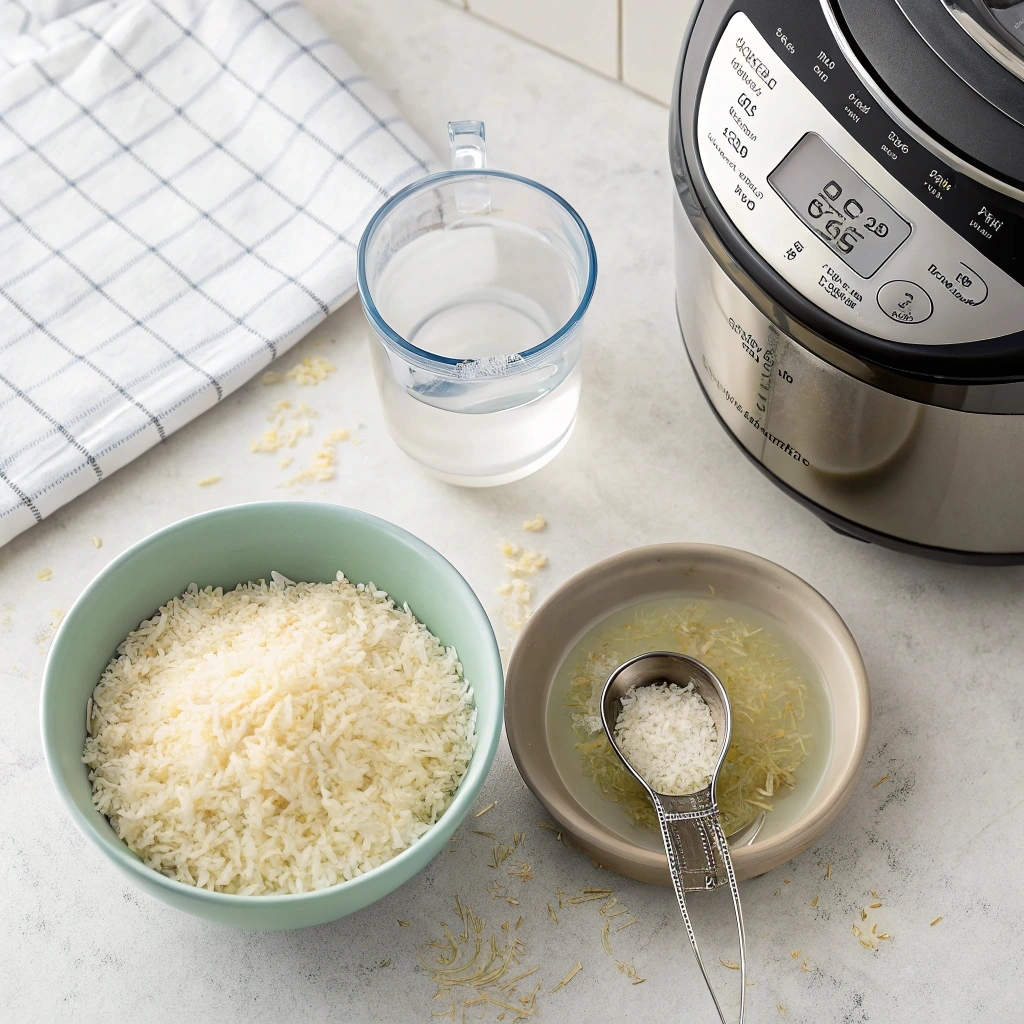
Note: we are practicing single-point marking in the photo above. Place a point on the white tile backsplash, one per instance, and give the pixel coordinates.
(652, 32)
(587, 31)
(636, 41)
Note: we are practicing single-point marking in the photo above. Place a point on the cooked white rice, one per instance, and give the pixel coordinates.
(669, 736)
(280, 737)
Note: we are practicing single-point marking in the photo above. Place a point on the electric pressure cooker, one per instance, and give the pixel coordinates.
(849, 238)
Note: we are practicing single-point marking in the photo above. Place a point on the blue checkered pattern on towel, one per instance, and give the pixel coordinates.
(183, 184)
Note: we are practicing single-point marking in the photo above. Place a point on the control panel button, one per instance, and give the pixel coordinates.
(904, 302)
(965, 284)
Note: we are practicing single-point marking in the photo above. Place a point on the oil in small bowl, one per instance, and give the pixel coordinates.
(782, 718)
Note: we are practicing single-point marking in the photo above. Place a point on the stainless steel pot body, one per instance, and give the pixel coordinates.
(789, 331)
(865, 458)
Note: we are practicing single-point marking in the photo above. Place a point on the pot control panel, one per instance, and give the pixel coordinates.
(827, 215)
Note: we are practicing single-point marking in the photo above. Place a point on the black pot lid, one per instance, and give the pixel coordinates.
(1003, 26)
(954, 66)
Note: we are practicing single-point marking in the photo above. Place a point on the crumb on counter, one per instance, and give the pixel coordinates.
(321, 467)
(868, 933)
(518, 593)
(282, 433)
(44, 574)
(208, 481)
(535, 525)
(525, 563)
(630, 972)
(97, 542)
(311, 370)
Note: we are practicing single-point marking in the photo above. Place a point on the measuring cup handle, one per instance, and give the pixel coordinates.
(468, 142)
(469, 153)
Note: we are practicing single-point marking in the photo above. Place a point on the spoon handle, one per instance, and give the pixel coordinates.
(696, 848)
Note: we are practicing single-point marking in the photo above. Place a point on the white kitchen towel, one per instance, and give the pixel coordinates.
(183, 184)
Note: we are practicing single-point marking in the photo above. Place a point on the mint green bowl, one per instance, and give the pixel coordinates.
(304, 541)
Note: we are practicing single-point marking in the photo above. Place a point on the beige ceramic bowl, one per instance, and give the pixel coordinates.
(640, 575)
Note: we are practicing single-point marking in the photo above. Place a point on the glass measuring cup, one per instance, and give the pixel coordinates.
(475, 283)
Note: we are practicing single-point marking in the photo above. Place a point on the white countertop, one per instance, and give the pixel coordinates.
(943, 645)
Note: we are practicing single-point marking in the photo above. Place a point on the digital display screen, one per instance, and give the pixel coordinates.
(838, 205)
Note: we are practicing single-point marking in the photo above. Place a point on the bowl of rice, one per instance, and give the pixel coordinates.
(272, 715)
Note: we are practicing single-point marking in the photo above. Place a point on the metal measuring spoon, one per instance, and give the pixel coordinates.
(747, 834)
(695, 844)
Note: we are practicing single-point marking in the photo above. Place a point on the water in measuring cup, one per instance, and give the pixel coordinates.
(483, 289)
